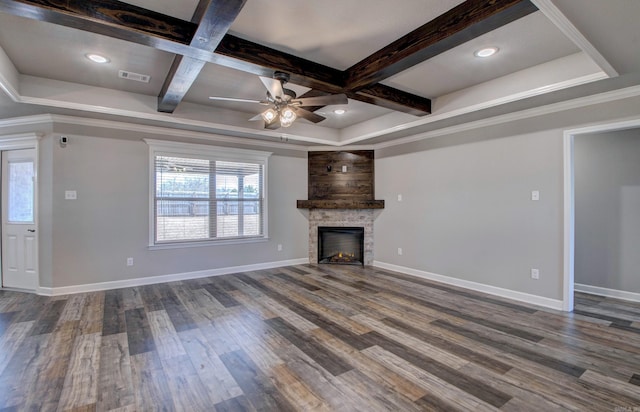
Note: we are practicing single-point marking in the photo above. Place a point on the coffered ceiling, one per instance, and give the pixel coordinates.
(405, 65)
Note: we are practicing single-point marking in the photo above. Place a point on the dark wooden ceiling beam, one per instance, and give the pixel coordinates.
(394, 99)
(213, 17)
(303, 72)
(462, 23)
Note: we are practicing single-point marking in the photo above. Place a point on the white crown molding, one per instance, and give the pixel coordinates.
(481, 106)
(479, 287)
(625, 93)
(150, 280)
(553, 13)
(144, 130)
(161, 117)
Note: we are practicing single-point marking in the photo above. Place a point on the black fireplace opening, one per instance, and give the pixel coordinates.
(341, 245)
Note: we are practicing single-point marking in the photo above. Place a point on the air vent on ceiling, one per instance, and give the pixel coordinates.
(134, 76)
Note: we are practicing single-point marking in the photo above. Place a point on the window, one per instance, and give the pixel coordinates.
(205, 193)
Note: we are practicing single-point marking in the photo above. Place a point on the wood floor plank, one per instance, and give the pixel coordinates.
(139, 334)
(477, 388)
(149, 383)
(91, 318)
(47, 322)
(449, 346)
(74, 307)
(317, 311)
(113, 319)
(45, 390)
(187, 390)
(221, 295)
(439, 391)
(255, 385)
(295, 390)
(176, 310)
(81, 379)
(21, 372)
(165, 337)
(335, 393)
(328, 360)
(219, 383)
(437, 354)
(370, 368)
(542, 359)
(11, 340)
(114, 379)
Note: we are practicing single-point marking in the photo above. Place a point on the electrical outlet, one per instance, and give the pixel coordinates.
(129, 261)
(535, 195)
(400, 251)
(535, 274)
(399, 198)
(279, 248)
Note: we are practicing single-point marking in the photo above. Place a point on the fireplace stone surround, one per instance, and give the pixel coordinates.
(341, 218)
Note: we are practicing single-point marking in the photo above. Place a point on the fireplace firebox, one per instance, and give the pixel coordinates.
(341, 245)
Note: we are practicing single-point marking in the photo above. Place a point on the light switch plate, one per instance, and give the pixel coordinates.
(535, 195)
(70, 195)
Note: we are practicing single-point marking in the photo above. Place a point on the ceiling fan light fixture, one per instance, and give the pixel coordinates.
(269, 115)
(287, 117)
(340, 111)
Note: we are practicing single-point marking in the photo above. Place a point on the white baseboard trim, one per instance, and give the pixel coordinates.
(150, 280)
(609, 293)
(478, 287)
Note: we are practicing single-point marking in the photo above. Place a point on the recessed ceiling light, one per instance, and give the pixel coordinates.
(97, 58)
(340, 111)
(486, 52)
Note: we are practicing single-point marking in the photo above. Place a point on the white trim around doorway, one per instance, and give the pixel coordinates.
(569, 201)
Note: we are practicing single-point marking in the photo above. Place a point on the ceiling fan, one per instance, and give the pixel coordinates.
(285, 107)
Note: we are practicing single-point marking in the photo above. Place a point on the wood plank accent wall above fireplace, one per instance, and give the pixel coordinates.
(341, 180)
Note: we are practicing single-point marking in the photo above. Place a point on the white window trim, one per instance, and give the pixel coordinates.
(162, 147)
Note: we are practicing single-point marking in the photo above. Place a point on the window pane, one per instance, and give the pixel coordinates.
(20, 203)
(182, 220)
(181, 177)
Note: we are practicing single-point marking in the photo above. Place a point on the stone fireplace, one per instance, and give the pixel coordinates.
(341, 195)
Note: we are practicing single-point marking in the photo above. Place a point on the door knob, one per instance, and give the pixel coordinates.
(31, 230)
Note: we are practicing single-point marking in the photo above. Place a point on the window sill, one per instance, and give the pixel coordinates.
(205, 243)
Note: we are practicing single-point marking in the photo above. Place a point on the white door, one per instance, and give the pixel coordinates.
(19, 241)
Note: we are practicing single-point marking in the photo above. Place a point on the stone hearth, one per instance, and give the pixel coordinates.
(342, 218)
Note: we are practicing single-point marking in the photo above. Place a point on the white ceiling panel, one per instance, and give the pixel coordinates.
(55, 52)
(529, 41)
(336, 33)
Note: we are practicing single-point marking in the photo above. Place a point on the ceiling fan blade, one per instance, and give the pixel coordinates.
(321, 100)
(273, 125)
(233, 99)
(274, 86)
(310, 116)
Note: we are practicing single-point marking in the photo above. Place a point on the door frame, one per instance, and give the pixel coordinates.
(27, 141)
(569, 201)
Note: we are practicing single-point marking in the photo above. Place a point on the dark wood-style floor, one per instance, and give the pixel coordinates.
(314, 338)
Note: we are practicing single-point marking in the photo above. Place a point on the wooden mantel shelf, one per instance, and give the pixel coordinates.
(340, 204)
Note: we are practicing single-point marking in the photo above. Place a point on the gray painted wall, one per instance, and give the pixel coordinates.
(467, 211)
(607, 204)
(91, 237)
